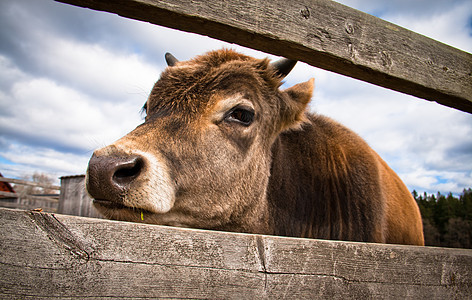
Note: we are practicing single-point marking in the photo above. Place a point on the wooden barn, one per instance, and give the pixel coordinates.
(5, 189)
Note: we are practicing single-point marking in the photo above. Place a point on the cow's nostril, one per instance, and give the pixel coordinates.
(128, 171)
(109, 176)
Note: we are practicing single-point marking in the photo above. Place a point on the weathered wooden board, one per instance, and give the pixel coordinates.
(48, 204)
(46, 256)
(74, 199)
(30, 183)
(48, 198)
(322, 33)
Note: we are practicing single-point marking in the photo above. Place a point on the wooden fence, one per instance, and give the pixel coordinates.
(25, 200)
(58, 256)
(45, 255)
(74, 199)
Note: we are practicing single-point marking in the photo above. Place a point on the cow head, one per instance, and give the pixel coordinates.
(202, 156)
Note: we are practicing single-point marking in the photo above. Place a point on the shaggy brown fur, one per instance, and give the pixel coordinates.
(223, 148)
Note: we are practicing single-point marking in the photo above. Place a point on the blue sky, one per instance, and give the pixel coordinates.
(73, 80)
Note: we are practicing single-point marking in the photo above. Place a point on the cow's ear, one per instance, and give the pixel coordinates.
(298, 97)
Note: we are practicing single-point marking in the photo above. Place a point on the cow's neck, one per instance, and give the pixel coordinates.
(253, 217)
(291, 196)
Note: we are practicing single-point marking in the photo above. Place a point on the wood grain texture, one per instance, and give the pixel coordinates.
(30, 183)
(74, 199)
(46, 256)
(322, 33)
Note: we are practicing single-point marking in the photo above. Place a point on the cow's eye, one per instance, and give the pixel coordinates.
(241, 115)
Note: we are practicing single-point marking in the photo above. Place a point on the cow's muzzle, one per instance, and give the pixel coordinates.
(109, 177)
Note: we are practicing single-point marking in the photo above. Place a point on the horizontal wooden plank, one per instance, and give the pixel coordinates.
(16, 205)
(322, 33)
(72, 257)
(8, 194)
(30, 183)
(45, 198)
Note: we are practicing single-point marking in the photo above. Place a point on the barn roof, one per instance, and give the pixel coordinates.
(5, 186)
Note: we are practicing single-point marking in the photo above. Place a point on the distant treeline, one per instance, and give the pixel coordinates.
(447, 220)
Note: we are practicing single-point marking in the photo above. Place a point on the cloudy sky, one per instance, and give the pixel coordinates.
(73, 80)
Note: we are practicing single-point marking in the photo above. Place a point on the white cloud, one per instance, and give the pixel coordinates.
(45, 110)
(96, 70)
(435, 181)
(9, 74)
(26, 160)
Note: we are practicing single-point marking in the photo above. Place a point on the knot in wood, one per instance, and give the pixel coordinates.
(349, 28)
(385, 59)
(305, 13)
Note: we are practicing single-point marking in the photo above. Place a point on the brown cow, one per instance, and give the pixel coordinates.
(223, 148)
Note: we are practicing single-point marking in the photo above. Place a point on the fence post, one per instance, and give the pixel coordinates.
(74, 199)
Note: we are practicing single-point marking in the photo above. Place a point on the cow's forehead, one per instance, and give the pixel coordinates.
(187, 86)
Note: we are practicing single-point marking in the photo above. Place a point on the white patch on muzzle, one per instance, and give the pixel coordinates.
(153, 190)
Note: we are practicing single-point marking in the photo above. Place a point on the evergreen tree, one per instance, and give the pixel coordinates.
(447, 220)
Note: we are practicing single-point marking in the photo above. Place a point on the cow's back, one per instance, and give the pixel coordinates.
(326, 182)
